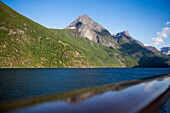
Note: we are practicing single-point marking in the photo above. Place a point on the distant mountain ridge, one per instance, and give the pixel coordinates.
(92, 30)
(84, 43)
(165, 50)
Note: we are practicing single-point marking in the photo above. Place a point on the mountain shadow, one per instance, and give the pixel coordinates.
(134, 49)
(103, 32)
(153, 62)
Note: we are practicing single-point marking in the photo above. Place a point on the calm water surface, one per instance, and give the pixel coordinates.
(24, 83)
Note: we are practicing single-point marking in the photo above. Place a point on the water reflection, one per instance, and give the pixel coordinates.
(123, 97)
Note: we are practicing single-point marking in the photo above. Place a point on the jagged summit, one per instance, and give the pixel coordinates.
(84, 16)
(88, 28)
(125, 36)
(125, 32)
(85, 20)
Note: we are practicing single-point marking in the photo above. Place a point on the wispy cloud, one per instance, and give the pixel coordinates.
(157, 40)
(167, 22)
(162, 34)
(166, 45)
(166, 29)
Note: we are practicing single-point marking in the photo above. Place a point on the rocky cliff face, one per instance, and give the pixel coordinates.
(88, 28)
(153, 49)
(125, 36)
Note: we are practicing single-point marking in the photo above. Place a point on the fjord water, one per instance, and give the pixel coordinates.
(24, 83)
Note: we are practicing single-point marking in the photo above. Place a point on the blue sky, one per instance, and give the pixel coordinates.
(146, 20)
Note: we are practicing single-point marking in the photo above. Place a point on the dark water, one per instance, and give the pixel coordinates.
(23, 83)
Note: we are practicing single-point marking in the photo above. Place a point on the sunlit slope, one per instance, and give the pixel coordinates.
(97, 55)
(24, 43)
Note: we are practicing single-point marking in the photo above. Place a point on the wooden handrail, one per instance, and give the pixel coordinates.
(142, 95)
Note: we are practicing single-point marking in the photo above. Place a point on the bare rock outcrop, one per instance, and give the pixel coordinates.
(88, 28)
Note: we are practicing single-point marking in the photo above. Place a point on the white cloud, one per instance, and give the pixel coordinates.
(167, 22)
(166, 29)
(166, 45)
(157, 40)
(162, 34)
(146, 45)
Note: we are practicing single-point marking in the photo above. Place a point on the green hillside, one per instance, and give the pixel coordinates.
(24, 43)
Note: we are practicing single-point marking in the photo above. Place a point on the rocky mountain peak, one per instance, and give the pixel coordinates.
(84, 18)
(88, 28)
(125, 36)
(126, 33)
